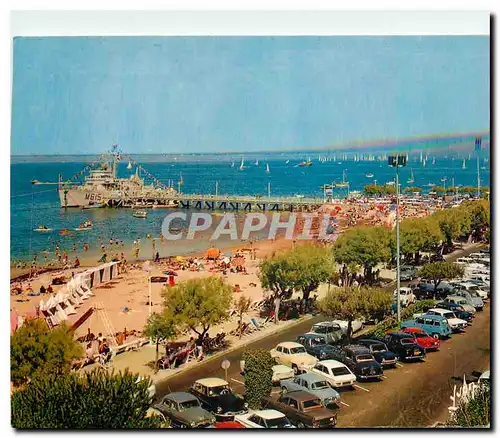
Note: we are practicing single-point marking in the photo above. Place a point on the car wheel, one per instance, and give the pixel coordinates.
(301, 425)
(435, 336)
(295, 369)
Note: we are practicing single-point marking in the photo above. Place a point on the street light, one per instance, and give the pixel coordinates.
(397, 161)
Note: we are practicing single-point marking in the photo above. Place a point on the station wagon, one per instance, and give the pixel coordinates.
(434, 325)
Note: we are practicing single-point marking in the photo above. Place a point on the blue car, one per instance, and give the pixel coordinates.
(434, 325)
(313, 384)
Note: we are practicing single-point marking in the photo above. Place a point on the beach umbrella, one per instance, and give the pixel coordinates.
(170, 273)
(213, 253)
(180, 259)
(338, 208)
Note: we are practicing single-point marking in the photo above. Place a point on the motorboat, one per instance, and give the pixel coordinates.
(87, 225)
(141, 214)
(43, 229)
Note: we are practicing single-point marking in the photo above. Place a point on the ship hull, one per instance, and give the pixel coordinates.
(80, 198)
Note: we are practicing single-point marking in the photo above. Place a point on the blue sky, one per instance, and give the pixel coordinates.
(204, 94)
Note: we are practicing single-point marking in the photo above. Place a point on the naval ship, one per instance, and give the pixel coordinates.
(102, 188)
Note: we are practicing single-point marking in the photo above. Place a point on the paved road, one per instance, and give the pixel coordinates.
(412, 395)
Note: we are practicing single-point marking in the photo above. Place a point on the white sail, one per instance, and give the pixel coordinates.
(242, 165)
(463, 164)
(129, 165)
(412, 179)
(232, 164)
(267, 168)
(256, 162)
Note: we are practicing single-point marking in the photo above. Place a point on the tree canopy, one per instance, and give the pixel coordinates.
(302, 268)
(35, 349)
(419, 234)
(379, 190)
(199, 303)
(365, 247)
(412, 190)
(96, 400)
(439, 271)
(351, 303)
(242, 306)
(258, 376)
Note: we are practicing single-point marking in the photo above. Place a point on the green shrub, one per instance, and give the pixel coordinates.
(94, 400)
(258, 376)
(476, 412)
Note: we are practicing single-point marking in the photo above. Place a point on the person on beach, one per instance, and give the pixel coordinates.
(77, 262)
(199, 347)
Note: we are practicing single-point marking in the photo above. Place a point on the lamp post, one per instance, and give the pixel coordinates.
(397, 161)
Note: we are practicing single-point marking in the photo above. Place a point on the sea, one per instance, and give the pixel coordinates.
(34, 205)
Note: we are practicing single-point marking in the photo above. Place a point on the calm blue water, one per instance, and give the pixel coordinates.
(36, 205)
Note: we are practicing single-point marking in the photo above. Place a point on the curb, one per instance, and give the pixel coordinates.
(233, 348)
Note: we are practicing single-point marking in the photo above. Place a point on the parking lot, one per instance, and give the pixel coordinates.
(413, 394)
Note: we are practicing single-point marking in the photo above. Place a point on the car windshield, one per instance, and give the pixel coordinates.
(321, 329)
(311, 404)
(378, 348)
(449, 315)
(340, 371)
(320, 385)
(407, 341)
(188, 404)
(318, 341)
(217, 390)
(364, 358)
(277, 423)
(444, 322)
(297, 350)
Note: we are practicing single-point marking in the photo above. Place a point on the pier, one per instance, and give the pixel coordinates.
(219, 202)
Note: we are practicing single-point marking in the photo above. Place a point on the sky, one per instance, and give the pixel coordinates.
(80, 95)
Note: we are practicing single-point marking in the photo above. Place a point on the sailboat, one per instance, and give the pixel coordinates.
(463, 164)
(424, 162)
(129, 166)
(232, 164)
(421, 157)
(411, 180)
(242, 165)
(344, 182)
(433, 160)
(256, 162)
(287, 161)
(369, 175)
(267, 168)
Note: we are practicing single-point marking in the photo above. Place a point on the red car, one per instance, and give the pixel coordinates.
(229, 425)
(422, 338)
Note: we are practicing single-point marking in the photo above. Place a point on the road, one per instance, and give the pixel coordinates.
(411, 395)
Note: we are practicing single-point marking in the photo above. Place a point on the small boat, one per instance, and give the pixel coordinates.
(267, 168)
(129, 166)
(141, 214)
(256, 162)
(433, 160)
(299, 196)
(305, 163)
(344, 182)
(483, 168)
(287, 161)
(43, 229)
(232, 164)
(65, 232)
(463, 164)
(390, 183)
(242, 165)
(369, 175)
(87, 225)
(88, 207)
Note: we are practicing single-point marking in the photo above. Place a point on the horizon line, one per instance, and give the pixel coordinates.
(394, 142)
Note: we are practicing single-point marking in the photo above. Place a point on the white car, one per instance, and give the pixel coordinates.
(293, 355)
(280, 372)
(406, 296)
(264, 419)
(454, 322)
(462, 302)
(335, 372)
(356, 325)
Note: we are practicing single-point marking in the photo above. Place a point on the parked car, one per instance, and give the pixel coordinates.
(360, 361)
(380, 352)
(455, 323)
(264, 419)
(217, 397)
(404, 346)
(457, 309)
(330, 331)
(461, 301)
(293, 355)
(184, 410)
(406, 296)
(303, 409)
(316, 385)
(471, 296)
(356, 325)
(335, 372)
(280, 372)
(408, 273)
(316, 345)
(422, 338)
(434, 325)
